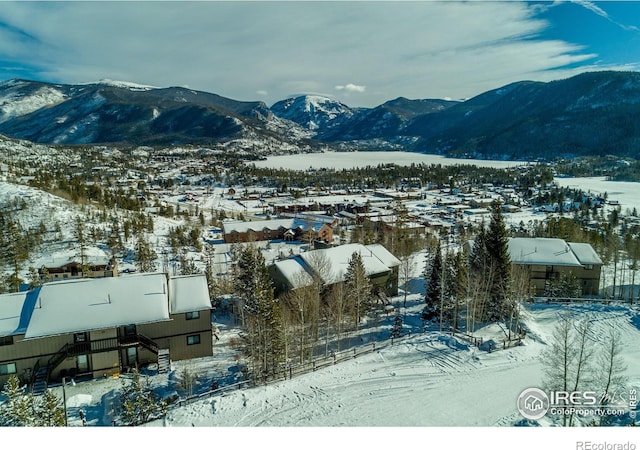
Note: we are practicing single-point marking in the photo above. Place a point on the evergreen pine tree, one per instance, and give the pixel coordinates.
(114, 240)
(82, 239)
(262, 334)
(138, 403)
(497, 245)
(49, 411)
(144, 256)
(187, 266)
(13, 249)
(34, 277)
(453, 287)
(18, 409)
(433, 296)
(358, 287)
(210, 276)
(479, 258)
(396, 331)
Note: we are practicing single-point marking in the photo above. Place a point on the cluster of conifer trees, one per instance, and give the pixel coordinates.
(474, 284)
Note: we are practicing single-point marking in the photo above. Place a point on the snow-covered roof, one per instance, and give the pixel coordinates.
(339, 258)
(11, 307)
(384, 255)
(94, 256)
(99, 303)
(188, 293)
(92, 304)
(585, 253)
(542, 251)
(259, 225)
(295, 272)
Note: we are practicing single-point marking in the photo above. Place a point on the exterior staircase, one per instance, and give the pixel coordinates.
(164, 361)
(40, 375)
(40, 381)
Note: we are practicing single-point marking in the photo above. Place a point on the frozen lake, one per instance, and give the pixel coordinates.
(625, 192)
(350, 160)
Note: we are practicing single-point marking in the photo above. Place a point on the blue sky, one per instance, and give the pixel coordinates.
(362, 53)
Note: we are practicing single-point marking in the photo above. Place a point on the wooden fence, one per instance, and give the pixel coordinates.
(294, 370)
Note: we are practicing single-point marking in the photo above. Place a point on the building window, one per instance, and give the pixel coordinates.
(80, 337)
(7, 369)
(193, 315)
(129, 330)
(6, 340)
(588, 267)
(193, 339)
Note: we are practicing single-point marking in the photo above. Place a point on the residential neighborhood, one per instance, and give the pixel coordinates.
(173, 260)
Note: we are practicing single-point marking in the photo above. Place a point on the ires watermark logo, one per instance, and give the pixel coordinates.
(534, 403)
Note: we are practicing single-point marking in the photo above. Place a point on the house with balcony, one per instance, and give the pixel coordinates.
(91, 328)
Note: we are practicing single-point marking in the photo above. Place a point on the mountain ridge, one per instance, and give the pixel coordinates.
(590, 113)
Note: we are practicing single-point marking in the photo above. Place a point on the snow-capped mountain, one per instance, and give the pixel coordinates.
(331, 120)
(120, 112)
(312, 111)
(19, 98)
(591, 113)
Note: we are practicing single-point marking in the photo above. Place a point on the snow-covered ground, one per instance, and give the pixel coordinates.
(625, 192)
(349, 160)
(415, 390)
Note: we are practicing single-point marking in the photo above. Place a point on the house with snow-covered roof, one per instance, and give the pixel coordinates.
(330, 265)
(65, 269)
(99, 327)
(292, 228)
(547, 259)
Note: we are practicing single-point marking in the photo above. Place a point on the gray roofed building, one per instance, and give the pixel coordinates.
(546, 260)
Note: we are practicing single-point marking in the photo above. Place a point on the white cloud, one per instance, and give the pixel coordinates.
(351, 88)
(591, 6)
(411, 49)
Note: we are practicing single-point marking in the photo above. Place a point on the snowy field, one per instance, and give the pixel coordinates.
(431, 379)
(625, 192)
(349, 160)
(416, 389)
